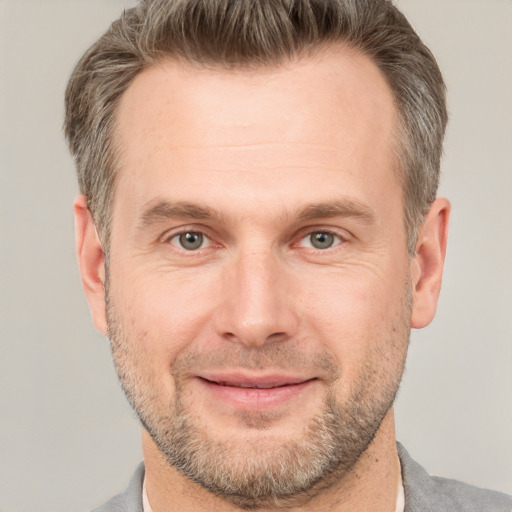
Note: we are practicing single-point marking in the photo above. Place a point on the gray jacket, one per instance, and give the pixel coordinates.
(423, 493)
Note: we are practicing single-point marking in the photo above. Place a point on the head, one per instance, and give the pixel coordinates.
(262, 176)
(242, 35)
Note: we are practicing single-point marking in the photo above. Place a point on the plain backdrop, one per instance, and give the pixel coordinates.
(68, 440)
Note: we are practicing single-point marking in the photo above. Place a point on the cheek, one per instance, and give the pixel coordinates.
(358, 316)
(164, 310)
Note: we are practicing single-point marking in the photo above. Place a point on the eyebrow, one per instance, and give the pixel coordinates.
(341, 208)
(164, 209)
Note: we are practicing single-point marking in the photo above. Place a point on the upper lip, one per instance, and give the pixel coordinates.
(245, 380)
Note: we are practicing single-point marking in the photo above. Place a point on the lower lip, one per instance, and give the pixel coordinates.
(256, 398)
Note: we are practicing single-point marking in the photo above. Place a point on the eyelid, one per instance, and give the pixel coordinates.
(174, 233)
(205, 241)
(310, 230)
(341, 236)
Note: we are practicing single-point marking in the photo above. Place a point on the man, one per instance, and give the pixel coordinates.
(257, 233)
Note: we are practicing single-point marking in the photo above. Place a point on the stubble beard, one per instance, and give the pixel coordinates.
(261, 471)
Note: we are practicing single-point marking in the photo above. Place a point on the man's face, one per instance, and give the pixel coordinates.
(259, 282)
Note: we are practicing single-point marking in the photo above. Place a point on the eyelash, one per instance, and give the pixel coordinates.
(336, 239)
(177, 237)
(175, 240)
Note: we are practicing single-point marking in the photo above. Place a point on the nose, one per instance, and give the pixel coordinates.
(258, 303)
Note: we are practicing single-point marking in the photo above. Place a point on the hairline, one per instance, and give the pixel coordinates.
(399, 138)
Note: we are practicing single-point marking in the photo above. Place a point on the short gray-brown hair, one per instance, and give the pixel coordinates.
(252, 33)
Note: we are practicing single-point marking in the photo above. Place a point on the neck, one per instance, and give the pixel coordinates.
(371, 485)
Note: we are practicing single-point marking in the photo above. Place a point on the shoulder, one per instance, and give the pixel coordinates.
(469, 498)
(131, 499)
(424, 493)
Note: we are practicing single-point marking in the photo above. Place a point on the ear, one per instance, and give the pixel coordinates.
(428, 262)
(91, 260)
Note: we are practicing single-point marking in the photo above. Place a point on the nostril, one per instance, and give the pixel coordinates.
(252, 337)
(277, 336)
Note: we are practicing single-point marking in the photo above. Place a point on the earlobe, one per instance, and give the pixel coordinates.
(91, 260)
(428, 263)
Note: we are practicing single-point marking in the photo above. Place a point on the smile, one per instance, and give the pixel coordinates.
(255, 392)
(250, 385)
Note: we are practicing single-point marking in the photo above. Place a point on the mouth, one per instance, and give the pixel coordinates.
(255, 392)
(253, 385)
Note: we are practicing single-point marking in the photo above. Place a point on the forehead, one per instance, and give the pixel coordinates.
(193, 99)
(302, 121)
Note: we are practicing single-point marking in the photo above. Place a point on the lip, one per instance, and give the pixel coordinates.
(250, 391)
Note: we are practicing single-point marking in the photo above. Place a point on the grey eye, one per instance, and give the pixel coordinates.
(191, 240)
(322, 239)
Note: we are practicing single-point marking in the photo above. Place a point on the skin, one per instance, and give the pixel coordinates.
(269, 156)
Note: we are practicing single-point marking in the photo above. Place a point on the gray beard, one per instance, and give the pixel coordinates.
(255, 475)
(261, 471)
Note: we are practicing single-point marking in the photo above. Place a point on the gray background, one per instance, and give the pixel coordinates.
(68, 441)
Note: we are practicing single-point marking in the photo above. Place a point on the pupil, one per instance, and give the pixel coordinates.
(322, 240)
(191, 241)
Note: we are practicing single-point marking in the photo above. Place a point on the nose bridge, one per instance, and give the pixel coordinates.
(258, 306)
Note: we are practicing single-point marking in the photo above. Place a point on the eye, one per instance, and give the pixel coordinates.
(190, 240)
(320, 240)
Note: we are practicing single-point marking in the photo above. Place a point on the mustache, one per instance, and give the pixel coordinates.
(275, 357)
